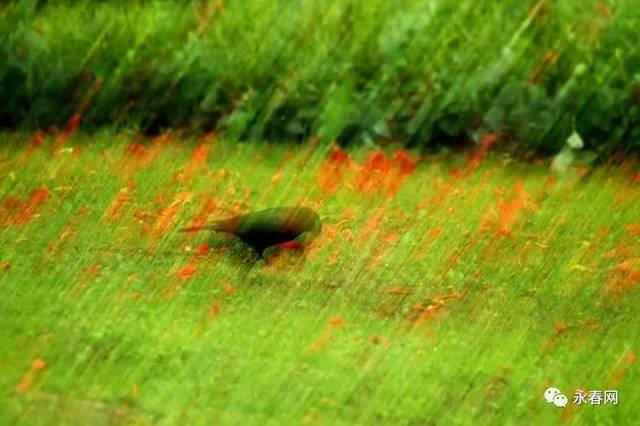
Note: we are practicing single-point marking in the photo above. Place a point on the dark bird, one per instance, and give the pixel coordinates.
(267, 228)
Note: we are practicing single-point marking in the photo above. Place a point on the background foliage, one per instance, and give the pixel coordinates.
(418, 72)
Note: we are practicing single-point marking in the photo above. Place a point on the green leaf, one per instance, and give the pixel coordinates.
(575, 141)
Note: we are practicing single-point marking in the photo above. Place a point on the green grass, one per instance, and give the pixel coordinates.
(450, 294)
(420, 73)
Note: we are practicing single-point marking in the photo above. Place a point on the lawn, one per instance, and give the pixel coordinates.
(443, 289)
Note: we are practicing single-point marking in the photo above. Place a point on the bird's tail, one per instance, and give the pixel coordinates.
(219, 226)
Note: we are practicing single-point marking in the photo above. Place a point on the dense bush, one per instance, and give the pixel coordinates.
(414, 71)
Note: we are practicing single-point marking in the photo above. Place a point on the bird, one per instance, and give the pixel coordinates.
(267, 228)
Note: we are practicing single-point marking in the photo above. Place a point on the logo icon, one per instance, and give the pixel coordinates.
(560, 400)
(554, 396)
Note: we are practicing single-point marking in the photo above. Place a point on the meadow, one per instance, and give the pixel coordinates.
(474, 164)
(443, 289)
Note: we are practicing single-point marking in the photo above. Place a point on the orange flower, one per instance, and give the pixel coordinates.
(405, 164)
(228, 288)
(38, 364)
(433, 234)
(203, 248)
(336, 321)
(38, 138)
(378, 161)
(551, 179)
(200, 152)
(339, 157)
(188, 271)
(12, 202)
(623, 367)
(325, 337)
(38, 196)
(72, 124)
(481, 151)
(214, 309)
(29, 378)
(136, 148)
(633, 228)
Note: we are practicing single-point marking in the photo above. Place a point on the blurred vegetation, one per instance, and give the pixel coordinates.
(422, 73)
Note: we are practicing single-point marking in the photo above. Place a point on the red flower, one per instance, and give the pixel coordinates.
(72, 124)
(404, 162)
(188, 271)
(203, 248)
(339, 156)
(38, 138)
(136, 148)
(38, 196)
(378, 161)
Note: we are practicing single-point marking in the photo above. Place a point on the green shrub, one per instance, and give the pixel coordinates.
(421, 73)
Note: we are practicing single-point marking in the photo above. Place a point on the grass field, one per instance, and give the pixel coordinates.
(442, 290)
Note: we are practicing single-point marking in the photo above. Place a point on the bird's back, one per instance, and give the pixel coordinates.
(269, 227)
(280, 219)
